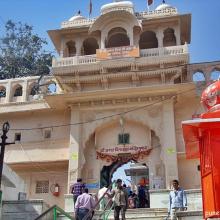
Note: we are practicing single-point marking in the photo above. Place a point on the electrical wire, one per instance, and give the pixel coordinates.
(105, 117)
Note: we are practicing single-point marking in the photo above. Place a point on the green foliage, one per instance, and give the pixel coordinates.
(21, 52)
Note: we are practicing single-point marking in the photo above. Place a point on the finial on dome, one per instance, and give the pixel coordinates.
(163, 2)
(79, 12)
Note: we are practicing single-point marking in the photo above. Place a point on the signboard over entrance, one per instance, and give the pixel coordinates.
(117, 52)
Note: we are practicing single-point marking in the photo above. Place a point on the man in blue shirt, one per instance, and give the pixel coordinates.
(178, 200)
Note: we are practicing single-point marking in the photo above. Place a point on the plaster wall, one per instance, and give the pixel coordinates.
(61, 178)
(108, 137)
(33, 145)
(189, 175)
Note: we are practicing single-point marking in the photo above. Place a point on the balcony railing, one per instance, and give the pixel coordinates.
(155, 52)
(164, 51)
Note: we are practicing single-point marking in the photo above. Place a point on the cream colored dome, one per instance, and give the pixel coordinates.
(164, 6)
(77, 17)
(123, 5)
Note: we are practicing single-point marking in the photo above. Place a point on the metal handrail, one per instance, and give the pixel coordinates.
(55, 208)
(105, 217)
(98, 202)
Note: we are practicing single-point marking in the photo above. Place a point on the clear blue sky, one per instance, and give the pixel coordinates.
(48, 14)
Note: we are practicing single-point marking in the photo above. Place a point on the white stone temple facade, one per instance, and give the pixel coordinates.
(123, 85)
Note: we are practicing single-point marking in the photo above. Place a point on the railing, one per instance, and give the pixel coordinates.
(77, 60)
(156, 13)
(106, 212)
(139, 15)
(128, 9)
(155, 52)
(53, 214)
(82, 22)
(97, 204)
(164, 51)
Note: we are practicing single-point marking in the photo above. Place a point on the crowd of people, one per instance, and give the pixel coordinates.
(122, 198)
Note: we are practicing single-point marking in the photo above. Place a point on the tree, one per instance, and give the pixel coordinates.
(21, 52)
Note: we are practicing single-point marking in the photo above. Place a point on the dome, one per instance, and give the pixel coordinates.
(77, 17)
(120, 5)
(164, 6)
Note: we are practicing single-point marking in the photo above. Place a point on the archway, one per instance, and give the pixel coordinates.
(198, 77)
(89, 46)
(169, 38)
(148, 40)
(70, 49)
(215, 75)
(117, 37)
(104, 152)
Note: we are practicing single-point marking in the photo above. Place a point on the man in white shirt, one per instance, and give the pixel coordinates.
(84, 204)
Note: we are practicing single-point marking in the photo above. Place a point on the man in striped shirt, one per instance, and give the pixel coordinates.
(77, 189)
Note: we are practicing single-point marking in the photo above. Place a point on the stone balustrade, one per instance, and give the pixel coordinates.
(77, 60)
(77, 23)
(118, 9)
(139, 15)
(20, 90)
(156, 13)
(164, 51)
(155, 52)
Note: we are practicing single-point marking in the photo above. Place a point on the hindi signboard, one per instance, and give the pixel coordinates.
(117, 52)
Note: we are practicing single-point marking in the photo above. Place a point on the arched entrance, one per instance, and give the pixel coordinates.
(107, 149)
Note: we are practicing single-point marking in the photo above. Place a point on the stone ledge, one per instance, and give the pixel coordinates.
(188, 191)
(189, 213)
(23, 201)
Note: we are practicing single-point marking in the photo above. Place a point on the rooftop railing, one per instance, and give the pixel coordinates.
(139, 15)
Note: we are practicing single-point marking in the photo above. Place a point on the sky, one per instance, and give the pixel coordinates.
(48, 14)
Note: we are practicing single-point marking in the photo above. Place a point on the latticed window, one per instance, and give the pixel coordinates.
(123, 138)
(42, 186)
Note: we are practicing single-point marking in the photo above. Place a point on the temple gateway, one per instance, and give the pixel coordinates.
(122, 84)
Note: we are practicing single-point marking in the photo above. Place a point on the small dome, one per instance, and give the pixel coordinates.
(164, 6)
(123, 5)
(77, 17)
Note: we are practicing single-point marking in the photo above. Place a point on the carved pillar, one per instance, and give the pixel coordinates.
(103, 37)
(78, 47)
(131, 36)
(177, 35)
(159, 35)
(169, 142)
(74, 148)
(62, 48)
(8, 92)
(24, 91)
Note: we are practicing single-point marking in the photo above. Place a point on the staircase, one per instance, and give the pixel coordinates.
(138, 214)
(131, 214)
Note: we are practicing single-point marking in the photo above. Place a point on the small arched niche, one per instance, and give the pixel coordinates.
(52, 87)
(215, 75)
(90, 45)
(18, 90)
(198, 77)
(2, 92)
(169, 38)
(148, 40)
(117, 37)
(70, 49)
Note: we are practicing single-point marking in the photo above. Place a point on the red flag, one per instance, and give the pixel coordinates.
(149, 2)
(90, 7)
